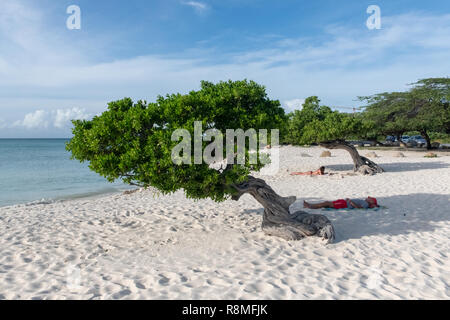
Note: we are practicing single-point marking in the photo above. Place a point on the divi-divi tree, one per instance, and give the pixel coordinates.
(135, 142)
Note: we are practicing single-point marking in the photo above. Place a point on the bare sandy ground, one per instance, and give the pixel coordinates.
(145, 246)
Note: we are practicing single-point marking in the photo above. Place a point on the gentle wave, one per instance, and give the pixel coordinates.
(88, 195)
(40, 171)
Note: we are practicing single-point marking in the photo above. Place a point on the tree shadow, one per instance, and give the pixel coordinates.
(259, 211)
(413, 166)
(403, 215)
(396, 166)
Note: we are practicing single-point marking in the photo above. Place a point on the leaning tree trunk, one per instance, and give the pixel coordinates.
(361, 164)
(424, 133)
(277, 220)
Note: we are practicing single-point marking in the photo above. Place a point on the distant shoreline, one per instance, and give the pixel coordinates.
(41, 170)
(76, 196)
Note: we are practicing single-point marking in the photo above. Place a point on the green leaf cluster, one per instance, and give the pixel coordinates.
(315, 123)
(423, 108)
(132, 141)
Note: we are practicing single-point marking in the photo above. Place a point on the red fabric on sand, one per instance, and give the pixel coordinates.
(340, 204)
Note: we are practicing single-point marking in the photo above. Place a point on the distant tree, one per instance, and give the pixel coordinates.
(319, 124)
(368, 130)
(133, 142)
(334, 125)
(385, 113)
(430, 107)
(423, 108)
(298, 120)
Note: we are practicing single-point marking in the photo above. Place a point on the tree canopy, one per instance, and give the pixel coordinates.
(385, 113)
(423, 108)
(431, 101)
(133, 141)
(315, 123)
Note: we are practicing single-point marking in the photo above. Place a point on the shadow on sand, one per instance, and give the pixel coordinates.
(396, 167)
(403, 215)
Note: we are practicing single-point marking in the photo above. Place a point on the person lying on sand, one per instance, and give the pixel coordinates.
(369, 202)
(318, 172)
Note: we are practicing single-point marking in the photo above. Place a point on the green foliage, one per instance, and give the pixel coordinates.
(440, 137)
(132, 141)
(431, 102)
(385, 112)
(423, 108)
(315, 123)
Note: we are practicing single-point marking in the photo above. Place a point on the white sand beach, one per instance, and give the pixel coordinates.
(145, 246)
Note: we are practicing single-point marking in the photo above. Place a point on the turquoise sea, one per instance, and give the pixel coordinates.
(36, 170)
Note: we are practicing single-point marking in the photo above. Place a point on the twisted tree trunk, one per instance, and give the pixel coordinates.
(277, 220)
(360, 164)
(424, 133)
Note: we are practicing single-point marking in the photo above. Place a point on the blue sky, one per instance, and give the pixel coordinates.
(50, 74)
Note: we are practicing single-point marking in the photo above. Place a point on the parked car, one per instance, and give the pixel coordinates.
(419, 140)
(391, 138)
(405, 139)
(356, 143)
(411, 143)
(362, 143)
(368, 143)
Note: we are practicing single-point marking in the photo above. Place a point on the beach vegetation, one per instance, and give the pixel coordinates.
(424, 108)
(134, 142)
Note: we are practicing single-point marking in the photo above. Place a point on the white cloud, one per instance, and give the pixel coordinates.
(2, 123)
(33, 120)
(347, 65)
(350, 62)
(294, 104)
(40, 119)
(62, 117)
(198, 6)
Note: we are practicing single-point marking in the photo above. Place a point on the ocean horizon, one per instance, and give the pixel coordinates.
(36, 170)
